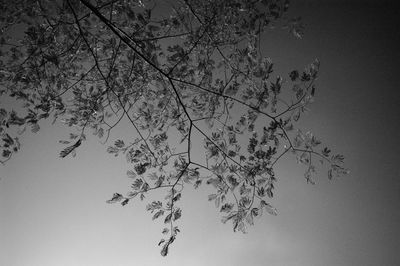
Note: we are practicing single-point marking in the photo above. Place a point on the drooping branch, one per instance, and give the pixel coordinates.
(109, 87)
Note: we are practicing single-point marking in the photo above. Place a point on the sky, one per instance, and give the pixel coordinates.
(53, 211)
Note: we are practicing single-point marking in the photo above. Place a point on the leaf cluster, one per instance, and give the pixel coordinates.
(194, 71)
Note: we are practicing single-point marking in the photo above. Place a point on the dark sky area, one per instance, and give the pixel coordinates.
(52, 211)
(358, 42)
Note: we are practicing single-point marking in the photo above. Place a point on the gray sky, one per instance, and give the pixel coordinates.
(53, 211)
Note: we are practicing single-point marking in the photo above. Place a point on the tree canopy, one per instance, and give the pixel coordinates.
(177, 72)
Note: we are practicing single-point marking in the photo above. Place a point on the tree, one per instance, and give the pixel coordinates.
(175, 70)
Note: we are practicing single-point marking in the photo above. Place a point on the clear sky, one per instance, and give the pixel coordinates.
(53, 211)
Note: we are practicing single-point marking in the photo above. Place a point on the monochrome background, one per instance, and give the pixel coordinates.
(53, 211)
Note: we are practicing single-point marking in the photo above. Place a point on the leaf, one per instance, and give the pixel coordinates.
(271, 210)
(254, 212)
(132, 194)
(294, 75)
(338, 158)
(141, 168)
(131, 174)
(145, 187)
(326, 152)
(232, 181)
(161, 241)
(159, 181)
(212, 197)
(175, 230)
(305, 76)
(249, 218)
(312, 91)
(70, 149)
(231, 153)
(137, 184)
(100, 132)
(6, 153)
(261, 191)
(229, 217)
(231, 90)
(227, 207)
(119, 143)
(217, 202)
(330, 176)
(296, 115)
(252, 145)
(168, 218)
(158, 214)
(244, 201)
(197, 183)
(269, 192)
(35, 128)
(177, 214)
(115, 198)
(164, 250)
(177, 197)
(314, 141)
(243, 190)
(155, 205)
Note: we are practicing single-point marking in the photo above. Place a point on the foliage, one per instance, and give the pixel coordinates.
(170, 68)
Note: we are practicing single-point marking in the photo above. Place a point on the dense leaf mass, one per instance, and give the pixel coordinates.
(175, 71)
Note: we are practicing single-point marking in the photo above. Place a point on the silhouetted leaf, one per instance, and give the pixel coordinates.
(158, 214)
(266, 206)
(115, 198)
(70, 149)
